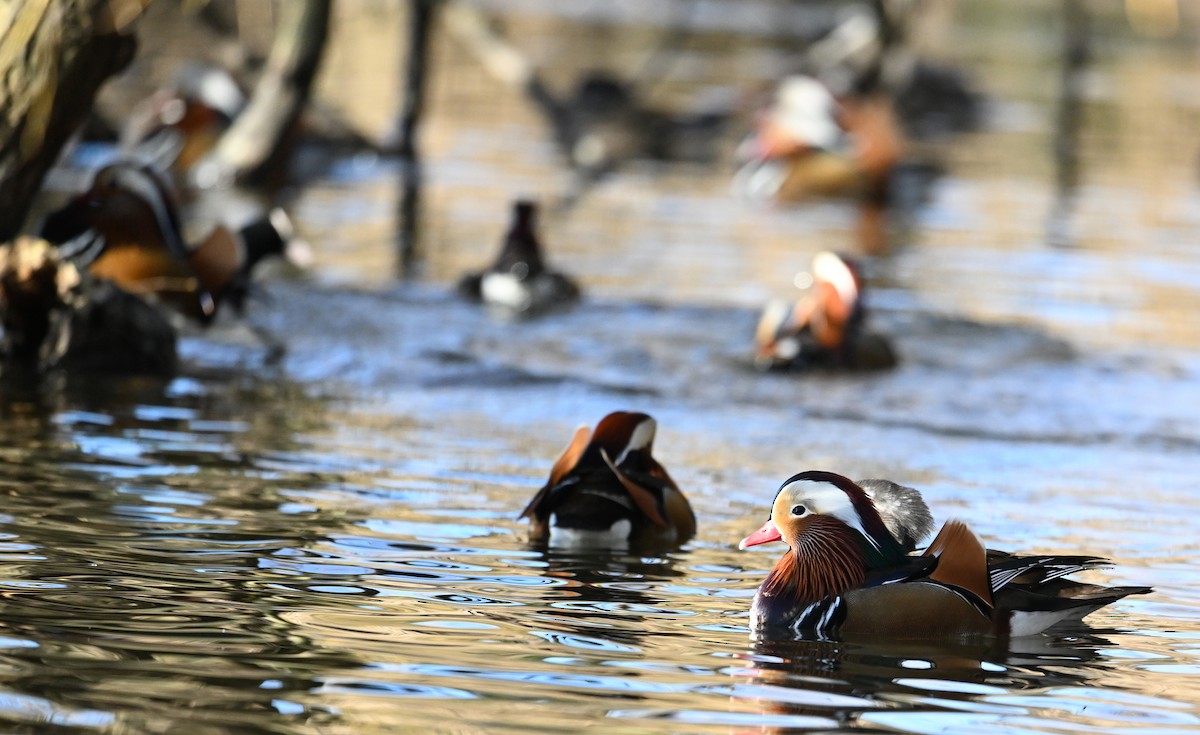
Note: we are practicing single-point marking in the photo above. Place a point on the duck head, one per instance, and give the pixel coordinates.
(803, 118)
(836, 290)
(836, 535)
(521, 255)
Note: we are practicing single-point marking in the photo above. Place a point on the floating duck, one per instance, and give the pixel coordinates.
(810, 144)
(54, 316)
(180, 124)
(607, 491)
(846, 575)
(126, 228)
(825, 329)
(519, 281)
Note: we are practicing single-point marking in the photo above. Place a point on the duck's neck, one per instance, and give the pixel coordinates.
(826, 561)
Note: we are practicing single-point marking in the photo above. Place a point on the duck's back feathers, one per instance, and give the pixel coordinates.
(607, 489)
(564, 464)
(1031, 611)
(962, 560)
(1034, 593)
(643, 498)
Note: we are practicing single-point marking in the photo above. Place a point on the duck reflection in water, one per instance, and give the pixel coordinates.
(844, 683)
(609, 597)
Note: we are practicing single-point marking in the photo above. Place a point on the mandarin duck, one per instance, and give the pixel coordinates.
(810, 143)
(126, 228)
(825, 329)
(607, 491)
(519, 281)
(176, 127)
(846, 575)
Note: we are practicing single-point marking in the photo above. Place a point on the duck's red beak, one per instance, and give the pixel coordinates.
(764, 535)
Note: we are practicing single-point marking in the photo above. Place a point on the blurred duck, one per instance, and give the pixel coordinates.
(126, 228)
(825, 329)
(846, 575)
(519, 281)
(180, 124)
(607, 491)
(809, 143)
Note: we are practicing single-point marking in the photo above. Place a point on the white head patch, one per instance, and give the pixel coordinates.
(826, 499)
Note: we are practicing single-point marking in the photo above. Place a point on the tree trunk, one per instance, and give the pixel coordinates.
(252, 147)
(54, 55)
(415, 74)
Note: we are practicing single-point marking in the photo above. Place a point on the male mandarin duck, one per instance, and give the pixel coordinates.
(181, 123)
(810, 143)
(607, 490)
(826, 327)
(126, 228)
(846, 575)
(519, 280)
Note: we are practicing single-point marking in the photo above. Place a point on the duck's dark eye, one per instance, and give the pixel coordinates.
(799, 510)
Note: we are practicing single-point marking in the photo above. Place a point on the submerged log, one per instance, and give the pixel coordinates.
(54, 316)
(54, 55)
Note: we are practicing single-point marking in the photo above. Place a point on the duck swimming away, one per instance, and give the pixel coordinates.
(608, 491)
(847, 575)
(519, 281)
(826, 328)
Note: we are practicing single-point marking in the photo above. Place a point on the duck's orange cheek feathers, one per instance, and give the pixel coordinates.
(764, 535)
